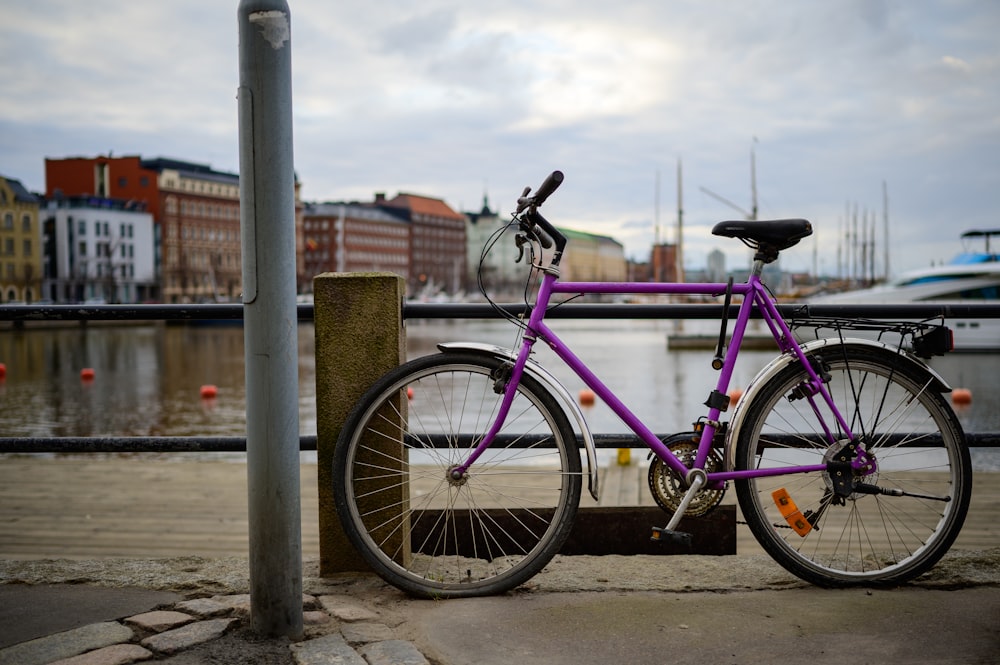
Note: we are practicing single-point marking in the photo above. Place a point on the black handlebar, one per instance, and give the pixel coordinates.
(536, 225)
(550, 185)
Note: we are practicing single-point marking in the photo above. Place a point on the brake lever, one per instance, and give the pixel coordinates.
(520, 240)
(524, 201)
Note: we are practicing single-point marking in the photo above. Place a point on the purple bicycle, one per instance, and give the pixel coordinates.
(460, 473)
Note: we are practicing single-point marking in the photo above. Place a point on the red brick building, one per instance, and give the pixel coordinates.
(418, 237)
(437, 242)
(663, 264)
(354, 237)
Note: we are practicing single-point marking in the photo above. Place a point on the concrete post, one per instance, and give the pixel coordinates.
(359, 337)
(267, 220)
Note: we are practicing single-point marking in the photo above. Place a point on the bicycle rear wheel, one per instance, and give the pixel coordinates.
(892, 405)
(428, 533)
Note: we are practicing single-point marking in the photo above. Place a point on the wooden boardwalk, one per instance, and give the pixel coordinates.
(88, 507)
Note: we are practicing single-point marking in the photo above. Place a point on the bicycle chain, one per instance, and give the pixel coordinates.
(776, 526)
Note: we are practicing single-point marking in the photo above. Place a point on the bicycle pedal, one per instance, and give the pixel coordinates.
(672, 537)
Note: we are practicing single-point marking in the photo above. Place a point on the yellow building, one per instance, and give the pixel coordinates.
(20, 244)
(590, 257)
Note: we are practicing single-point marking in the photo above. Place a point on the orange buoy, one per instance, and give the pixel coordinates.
(961, 396)
(587, 397)
(87, 374)
(735, 394)
(409, 393)
(209, 392)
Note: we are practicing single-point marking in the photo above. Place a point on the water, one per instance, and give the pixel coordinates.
(148, 378)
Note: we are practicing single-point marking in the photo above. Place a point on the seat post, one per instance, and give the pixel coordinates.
(757, 268)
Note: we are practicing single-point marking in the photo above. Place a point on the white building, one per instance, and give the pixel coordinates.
(97, 249)
(502, 275)
(716, 266)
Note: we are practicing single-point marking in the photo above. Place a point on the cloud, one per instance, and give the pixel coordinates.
(447, 98)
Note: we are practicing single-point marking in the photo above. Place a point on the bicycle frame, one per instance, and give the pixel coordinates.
(755, 296)
(453, 520)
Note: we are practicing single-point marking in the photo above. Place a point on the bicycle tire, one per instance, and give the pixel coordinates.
(435, 537)
(871, 539)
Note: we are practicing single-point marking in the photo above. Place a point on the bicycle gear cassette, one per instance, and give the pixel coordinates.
(668, 487)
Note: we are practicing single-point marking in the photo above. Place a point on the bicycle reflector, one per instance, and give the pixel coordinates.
(791, 512)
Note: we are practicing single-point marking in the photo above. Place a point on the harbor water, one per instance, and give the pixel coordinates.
(148, 378)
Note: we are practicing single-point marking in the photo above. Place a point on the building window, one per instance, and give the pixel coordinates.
(27, 248)
(26, 223)
(8, 221)
(8, 246)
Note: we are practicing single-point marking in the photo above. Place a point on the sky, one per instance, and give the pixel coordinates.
(842, 106)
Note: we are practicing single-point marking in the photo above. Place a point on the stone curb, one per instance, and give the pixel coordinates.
(339, 629)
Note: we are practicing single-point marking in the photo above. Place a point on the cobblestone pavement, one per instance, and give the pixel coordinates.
(579, 610)
(338, 629)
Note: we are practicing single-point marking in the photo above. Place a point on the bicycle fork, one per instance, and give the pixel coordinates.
(505, 382)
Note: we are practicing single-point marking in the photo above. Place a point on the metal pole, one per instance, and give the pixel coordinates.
(267, 219)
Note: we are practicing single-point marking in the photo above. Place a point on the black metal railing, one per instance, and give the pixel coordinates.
(21, 315)
(413, 310)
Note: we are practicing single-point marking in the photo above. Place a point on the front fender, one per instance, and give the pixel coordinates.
(787, 358)
(544, 377)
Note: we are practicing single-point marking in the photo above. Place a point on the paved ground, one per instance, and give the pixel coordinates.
(581, 610)
(88, 546)
(96, 506)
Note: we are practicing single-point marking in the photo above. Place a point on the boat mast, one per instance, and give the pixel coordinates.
(680, 223)
(885, 222)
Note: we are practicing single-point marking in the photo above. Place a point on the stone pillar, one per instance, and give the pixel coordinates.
(359, 337)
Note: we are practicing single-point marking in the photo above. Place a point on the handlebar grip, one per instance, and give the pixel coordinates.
(543, 237)
(550, 185)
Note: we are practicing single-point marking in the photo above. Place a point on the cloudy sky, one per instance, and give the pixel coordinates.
(458, 99)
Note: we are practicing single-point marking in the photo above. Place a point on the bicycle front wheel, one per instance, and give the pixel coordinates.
(432, 534)
(905, 511)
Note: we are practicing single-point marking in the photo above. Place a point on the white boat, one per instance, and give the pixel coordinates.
(972, 277)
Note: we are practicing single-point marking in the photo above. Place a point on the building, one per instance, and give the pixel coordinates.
(98, 250)
(196, 211)
(501, 273)
(20, 243)
(715, 269)
(199, 219)
(663, 264)
(437, 242)
(354, 237)
(590, 257)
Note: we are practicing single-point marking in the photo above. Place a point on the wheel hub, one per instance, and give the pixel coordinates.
(838, 454)
(456, 477)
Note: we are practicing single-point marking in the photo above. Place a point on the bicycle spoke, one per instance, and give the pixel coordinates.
(907, 506)
(438, 532)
